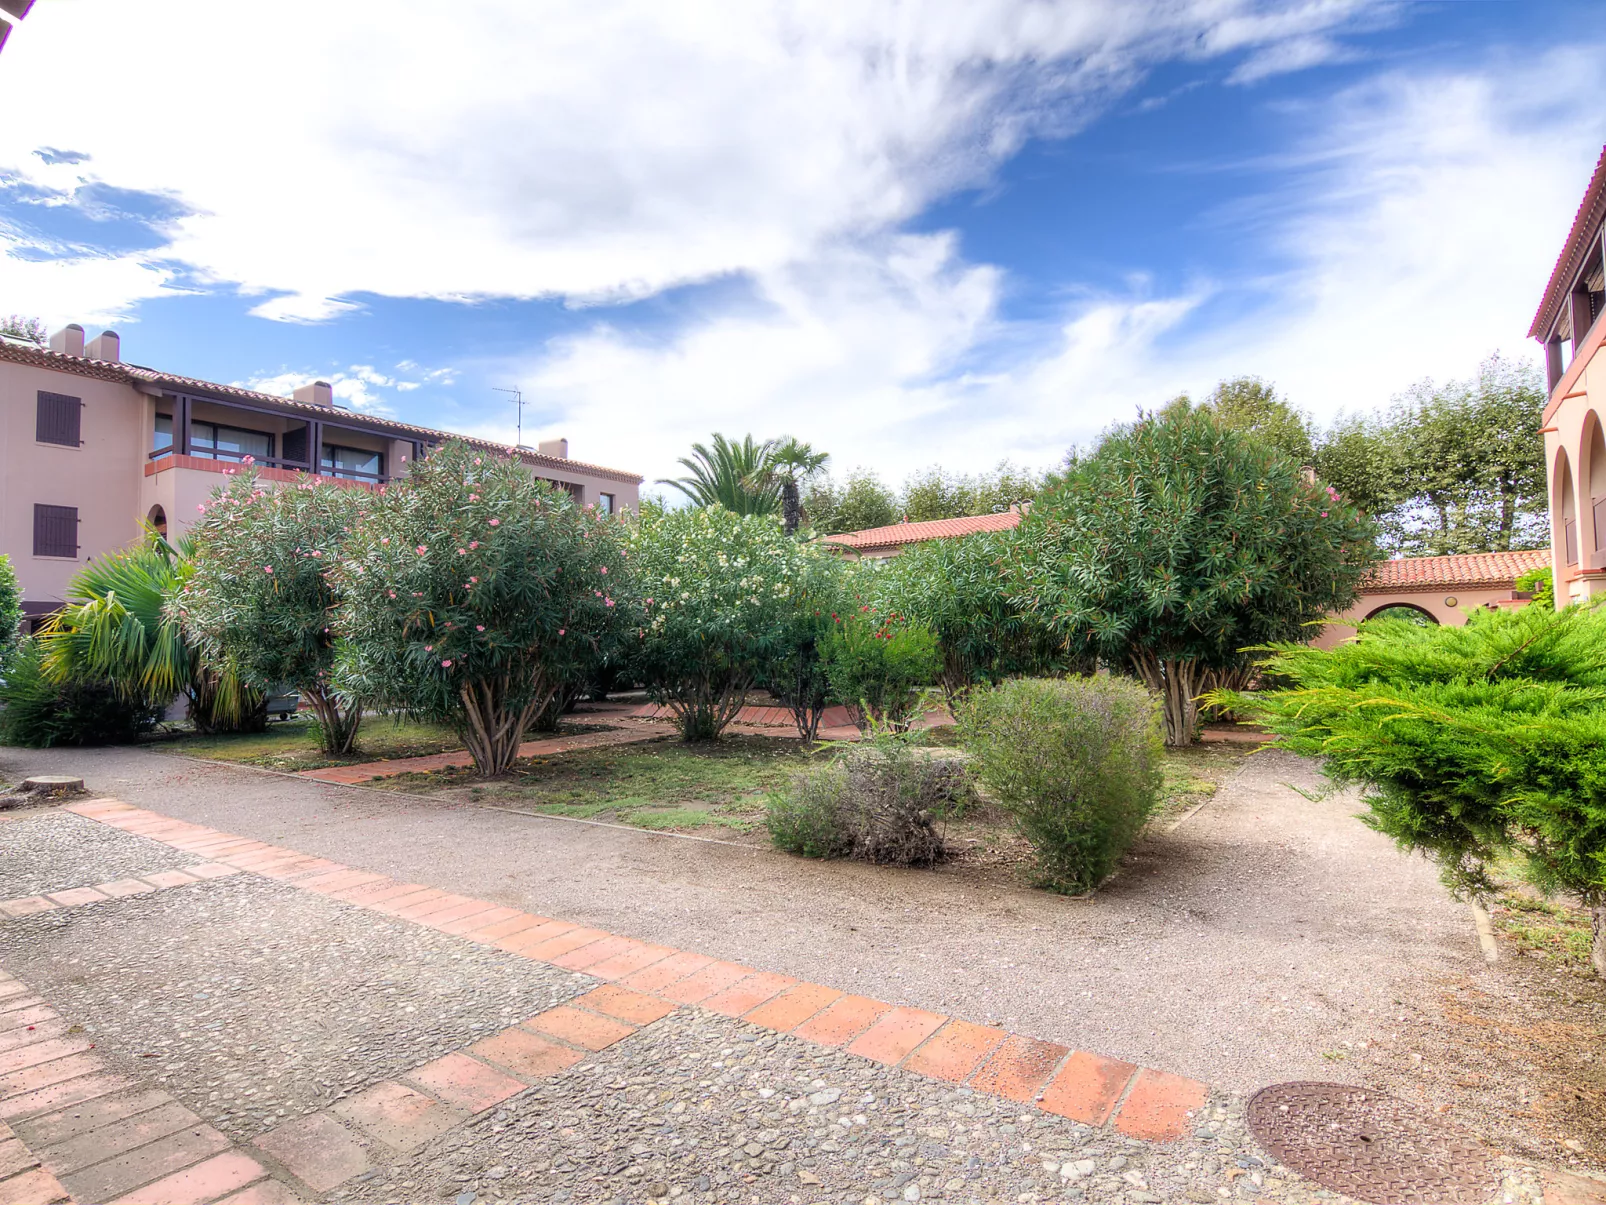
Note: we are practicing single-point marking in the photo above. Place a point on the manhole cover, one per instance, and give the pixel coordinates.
(1370, 1146)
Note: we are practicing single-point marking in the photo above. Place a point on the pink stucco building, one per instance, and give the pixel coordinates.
(95, 446)
(1569, 326)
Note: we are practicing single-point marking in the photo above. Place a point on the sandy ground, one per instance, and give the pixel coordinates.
(1249, 946)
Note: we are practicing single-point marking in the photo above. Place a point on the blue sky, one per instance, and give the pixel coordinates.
(947, 232)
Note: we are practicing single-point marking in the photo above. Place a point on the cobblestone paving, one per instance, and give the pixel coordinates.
(56, 851)
(252, 1002)
(697, 1108)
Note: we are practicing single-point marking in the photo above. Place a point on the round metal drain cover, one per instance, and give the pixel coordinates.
(1370, 1146)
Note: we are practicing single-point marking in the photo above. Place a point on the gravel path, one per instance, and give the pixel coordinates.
(253, 1002)
(1243, 949)
(55, 850)
(697, 1108)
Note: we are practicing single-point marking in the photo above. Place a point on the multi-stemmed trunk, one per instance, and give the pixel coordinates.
(495, 717)
(702, 707)
(1178, 682)
(339, 724)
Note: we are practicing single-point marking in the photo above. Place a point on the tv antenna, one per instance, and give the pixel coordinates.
(518, 400)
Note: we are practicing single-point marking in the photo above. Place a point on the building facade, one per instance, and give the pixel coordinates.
(95, 447)
(1569, 327)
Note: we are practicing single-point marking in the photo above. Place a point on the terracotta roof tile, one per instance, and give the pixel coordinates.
(1466, 570)
(135, 374)
(932, 529)
(1591, 212)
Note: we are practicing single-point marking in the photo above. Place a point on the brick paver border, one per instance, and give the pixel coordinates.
(1086, 1087)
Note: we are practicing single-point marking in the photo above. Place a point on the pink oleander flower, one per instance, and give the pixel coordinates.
(473, 543)
(393, 594)
(496, 522)
(267, 569)
(479, 627)
(462, 552)
(248, 460)
(429, 648)
(603, 569)
(561, 631)
(384, 539)
(475, 580)
(447, 664)
(607, 602)
(201, 506)
(1324, 514)
(422, 549)
(473, 497)
(476, 460)
(315, 552)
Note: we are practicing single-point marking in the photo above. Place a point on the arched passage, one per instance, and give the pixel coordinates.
(157, 518)
(1592, 480)
(1564, 510)
(1421, 613)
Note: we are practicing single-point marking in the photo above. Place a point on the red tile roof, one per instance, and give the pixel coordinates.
(136, 375)
(900, 534)
(1580, 239)
(1466, 570)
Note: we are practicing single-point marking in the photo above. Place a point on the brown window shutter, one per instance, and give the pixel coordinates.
(55, 530)
(58, 419)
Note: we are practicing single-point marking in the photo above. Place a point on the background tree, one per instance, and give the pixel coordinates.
(1482, 745)
(19, 326)
(788, 463)
(861, 502)
(937, 494)
(962, 590)
(1177, 543)
(471, 593)
(119, 625)
(731, 475)
(262, 598)
(796, 675)
(1253, 406)
(718, 601)
(10, 611)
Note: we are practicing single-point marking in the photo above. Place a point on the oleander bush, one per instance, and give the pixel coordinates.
(1077, 764)
(40, 711)
(881, 802)
(10, 610)
(878, 662)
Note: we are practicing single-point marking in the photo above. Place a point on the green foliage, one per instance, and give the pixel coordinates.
(1179, 542)
(788, 463)
(40, 712)
(796, 675)
(1450, 469)
(937, 494)
(878, 662)
(730, 474)
(471, 592)
(10, 610)
(961, 590)
(719, 596)
(1077, 761)
(1539, 583)
(859, 503)
(879, 802)
(1251, 405)
(1473, 744)
(119, 624)
(262, 597)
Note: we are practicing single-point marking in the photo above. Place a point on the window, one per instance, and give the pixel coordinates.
(213, 442)
(353, 464)
(58, 419)
(55, 530)
(605, 503)
(162, 438)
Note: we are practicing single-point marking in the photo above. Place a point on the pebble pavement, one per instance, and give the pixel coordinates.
(697, 1109)
(56, 850)
(253, 1002)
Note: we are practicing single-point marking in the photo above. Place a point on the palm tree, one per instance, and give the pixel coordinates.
(789, 462)
(728, 475)
(117, 626)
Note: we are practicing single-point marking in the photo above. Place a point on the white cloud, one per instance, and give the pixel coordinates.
(358, 387)
(578, 149)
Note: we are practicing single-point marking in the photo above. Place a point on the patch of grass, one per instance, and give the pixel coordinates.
(658, 785)
(1194, 775)
(1555, 931)
(293, 745)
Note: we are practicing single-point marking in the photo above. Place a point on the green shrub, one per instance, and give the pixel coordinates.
(1539, 583)
(878, 663)
(879, 802)
(40, 712)
(1076, 761)
(10, 610)
(1473, 744)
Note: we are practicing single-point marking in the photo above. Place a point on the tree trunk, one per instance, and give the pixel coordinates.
(1178, 683)
(493, 727)
(791, 507)
(1597, 949)
(339, 728)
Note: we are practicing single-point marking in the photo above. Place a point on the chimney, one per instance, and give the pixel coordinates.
(556, 448)
(319, 393)
(69, 340)
(106, 346)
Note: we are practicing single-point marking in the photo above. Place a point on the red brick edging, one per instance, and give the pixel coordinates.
(1140, 1102)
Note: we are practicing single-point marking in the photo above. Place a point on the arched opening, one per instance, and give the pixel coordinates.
(1564, 509)
(1593, 474)
(158, 520)
(1409, 612)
